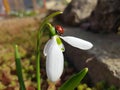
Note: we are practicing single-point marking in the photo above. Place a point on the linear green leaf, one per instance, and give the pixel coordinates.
(19, 69)
(74, 81)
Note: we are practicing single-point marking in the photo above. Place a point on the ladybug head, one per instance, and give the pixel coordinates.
(59, 29)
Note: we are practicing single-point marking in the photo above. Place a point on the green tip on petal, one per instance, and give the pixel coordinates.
(58, 41)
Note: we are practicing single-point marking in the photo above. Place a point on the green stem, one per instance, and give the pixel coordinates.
(38, 62)
(19, 69)
(39, 35)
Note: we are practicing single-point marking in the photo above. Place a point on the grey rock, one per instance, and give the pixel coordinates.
(95, 15)
(103, 60)
(78, 10)
(106, 16)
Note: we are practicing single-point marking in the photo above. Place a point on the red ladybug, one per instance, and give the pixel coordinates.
(59, 29)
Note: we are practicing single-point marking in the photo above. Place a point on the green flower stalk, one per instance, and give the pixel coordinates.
(39, 35)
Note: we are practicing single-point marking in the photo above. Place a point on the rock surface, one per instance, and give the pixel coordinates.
(106, 16)
(78, 10)
(103, 60)
(97, 15)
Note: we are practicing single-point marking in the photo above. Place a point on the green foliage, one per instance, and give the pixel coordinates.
(19, 69)
(74, 81)
(99, 86)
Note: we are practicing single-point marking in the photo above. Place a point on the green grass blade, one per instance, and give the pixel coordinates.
(19, 69)
(74, 81)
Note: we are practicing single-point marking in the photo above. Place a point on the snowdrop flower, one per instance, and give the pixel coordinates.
(54, 49)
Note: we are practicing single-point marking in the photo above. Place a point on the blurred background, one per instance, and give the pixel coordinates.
(97, 21)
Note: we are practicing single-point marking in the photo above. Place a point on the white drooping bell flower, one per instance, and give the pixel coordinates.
(54, 49)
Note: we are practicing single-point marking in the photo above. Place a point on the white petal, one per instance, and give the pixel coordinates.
(46, 48)
(54, 62)
(77, 42)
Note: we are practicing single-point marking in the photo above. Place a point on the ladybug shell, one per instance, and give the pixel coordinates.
(59, 29)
